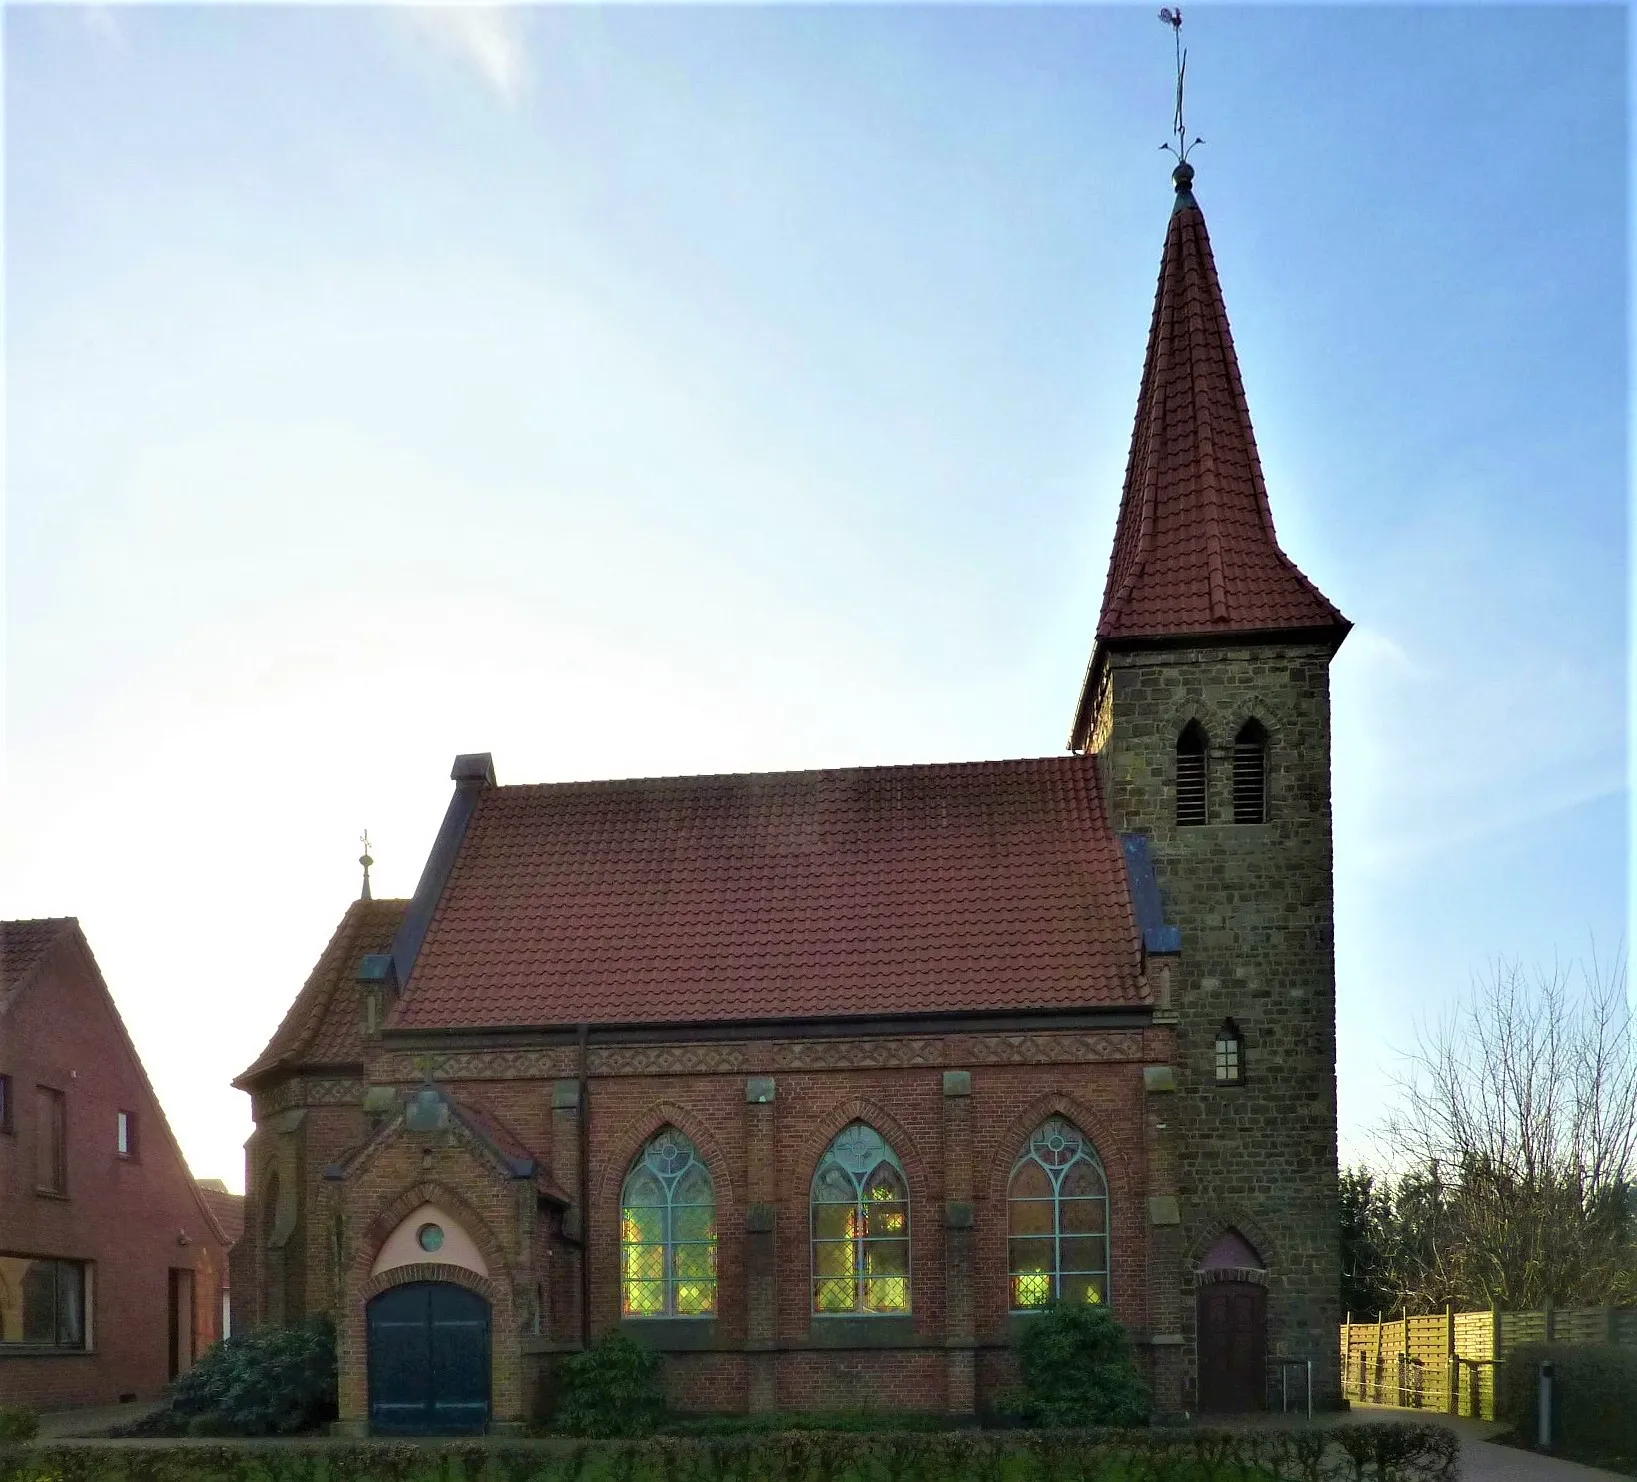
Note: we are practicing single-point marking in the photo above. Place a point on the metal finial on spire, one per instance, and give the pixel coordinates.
(365, 860)
(1184, 173)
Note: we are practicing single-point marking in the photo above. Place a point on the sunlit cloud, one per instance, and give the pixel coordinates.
(488, 39)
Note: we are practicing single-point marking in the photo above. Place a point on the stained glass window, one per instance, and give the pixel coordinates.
(668, 1232)
(860, 1226)
(1057, 1218)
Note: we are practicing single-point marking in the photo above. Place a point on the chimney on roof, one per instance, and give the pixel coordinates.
(475, 769)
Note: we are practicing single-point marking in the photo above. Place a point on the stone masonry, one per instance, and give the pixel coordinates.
(1255, 905)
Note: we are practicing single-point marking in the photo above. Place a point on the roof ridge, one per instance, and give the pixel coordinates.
(873, 769)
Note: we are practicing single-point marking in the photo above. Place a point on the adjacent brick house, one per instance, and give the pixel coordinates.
(110, 1263)
(822, 1082)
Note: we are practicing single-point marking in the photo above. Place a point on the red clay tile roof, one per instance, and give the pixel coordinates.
(879, 891)
(322, 1026)
(1195, 550)
(228, 1210)
(23, 944)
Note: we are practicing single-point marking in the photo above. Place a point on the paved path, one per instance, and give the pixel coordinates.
(92, 1420)
(1484, 1460)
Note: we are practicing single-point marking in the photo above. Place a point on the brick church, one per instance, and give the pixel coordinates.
(822, 1083)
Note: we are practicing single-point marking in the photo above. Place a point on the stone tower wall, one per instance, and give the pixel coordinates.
(1255, 905)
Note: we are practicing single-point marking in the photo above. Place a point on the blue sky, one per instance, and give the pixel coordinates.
(648, 390)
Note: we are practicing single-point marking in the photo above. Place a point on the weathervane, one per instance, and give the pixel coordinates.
(1173, 18)
(365, 860)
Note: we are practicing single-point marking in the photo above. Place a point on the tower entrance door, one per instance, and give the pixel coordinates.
(1233, 1347)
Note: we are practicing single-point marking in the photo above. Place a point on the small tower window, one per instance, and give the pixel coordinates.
(1192, 809)
(1250, 774)
(1230, 1055)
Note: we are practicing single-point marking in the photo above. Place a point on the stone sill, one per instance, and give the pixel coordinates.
(35, 1350)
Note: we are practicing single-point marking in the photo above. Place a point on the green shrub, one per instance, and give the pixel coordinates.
(268, 1381)
(1594, 1396)
(18, 1423)
(1077, 1370)
(612, 1389)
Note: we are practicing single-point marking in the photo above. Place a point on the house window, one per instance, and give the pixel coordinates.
(5, 1103)
(668, 1232)
(1057, 1220)
(1230, 1055)
(1193, 808)
(125, 1134)
(50, 1141)
(860, 1209)
(42, 1303)
(1250, 774)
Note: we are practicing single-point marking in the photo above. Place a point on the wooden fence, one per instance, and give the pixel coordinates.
(1449, 1361)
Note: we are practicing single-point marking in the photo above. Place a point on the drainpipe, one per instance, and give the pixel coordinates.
(584, 1035)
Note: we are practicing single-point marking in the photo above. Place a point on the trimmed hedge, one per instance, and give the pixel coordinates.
(18, 1423)
(1594, 1397)
(1346, 1453)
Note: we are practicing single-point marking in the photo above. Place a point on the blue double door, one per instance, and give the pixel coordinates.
(428, 1361)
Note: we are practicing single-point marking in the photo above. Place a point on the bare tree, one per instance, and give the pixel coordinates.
(1517, 1134)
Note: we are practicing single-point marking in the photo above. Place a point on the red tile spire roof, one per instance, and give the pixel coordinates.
(1195, 553)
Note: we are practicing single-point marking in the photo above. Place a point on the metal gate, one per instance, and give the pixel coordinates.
(428, 1360)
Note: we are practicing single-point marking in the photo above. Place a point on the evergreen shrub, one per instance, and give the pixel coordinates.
(614, 1388)
(1594, 1397)
(267, 1381)
(1077, 1369)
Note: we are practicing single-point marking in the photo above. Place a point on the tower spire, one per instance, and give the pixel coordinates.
(365, 860)
(1195, 553)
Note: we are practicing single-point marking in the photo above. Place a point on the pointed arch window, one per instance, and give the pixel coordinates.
(860, 1214)
(1057, 1220)
(1193, 808)
(668, 1232)
(1230, 1055)
(1250, 773)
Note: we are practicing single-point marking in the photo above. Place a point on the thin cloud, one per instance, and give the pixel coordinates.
(488, 39)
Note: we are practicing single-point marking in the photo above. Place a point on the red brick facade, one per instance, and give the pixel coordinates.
(134, 1224)
(957, 1109)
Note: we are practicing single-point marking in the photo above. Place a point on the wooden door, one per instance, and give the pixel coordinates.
(428, 1360)
(1233, 1347)
(181, 1322)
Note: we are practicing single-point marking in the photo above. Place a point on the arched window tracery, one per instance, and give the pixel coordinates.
(860, 1226)
(668, 1232)
(1057, 1220)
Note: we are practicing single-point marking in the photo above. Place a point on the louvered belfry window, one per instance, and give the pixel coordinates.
(1250, 774)
(1192, 806)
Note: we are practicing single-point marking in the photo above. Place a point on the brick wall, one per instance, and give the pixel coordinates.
(957, 1109)
(126, 1217)
(1255, 905)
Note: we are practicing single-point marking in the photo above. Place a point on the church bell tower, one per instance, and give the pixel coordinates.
(1207, 704)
